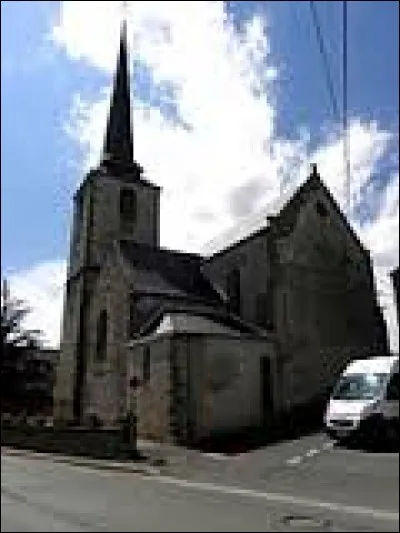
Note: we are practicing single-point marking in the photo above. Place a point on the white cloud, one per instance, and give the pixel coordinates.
(216, 74)
(224, 92)
(41, 288)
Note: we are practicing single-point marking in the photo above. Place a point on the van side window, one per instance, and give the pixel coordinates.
(392, 392)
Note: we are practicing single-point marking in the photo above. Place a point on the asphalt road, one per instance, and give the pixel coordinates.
(309, 467)
(40, 495)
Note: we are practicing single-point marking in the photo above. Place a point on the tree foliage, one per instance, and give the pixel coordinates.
(16, 343)
(13, 314)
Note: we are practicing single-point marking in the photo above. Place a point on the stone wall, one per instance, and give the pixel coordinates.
(152, 399)
(66, 366)
(326, 305)
(95, 229)
(106, 216)
(98, 443)
(321, 298)
(251, 258)
(106, 392)
(226, 386)
(215, 386)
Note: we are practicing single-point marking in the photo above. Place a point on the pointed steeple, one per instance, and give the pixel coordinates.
(314, 171)
(118, 142)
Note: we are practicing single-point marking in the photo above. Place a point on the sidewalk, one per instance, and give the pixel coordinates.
(129, 466)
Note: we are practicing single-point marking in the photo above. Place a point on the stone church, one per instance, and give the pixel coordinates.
(197, 345)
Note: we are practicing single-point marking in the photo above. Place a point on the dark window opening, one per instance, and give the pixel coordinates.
(146, 364)
(321, 210)
(233, 290)
(101, 344)
(127, 206)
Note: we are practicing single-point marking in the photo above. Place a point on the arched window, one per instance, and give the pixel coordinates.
(101, 343)
(127, 208)
(321, 210)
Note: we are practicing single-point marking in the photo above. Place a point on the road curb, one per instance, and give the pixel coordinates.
(98, 464)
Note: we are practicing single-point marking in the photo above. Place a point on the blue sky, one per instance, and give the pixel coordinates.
(43, 152)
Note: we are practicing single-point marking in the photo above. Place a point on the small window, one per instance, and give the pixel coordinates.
(101, 344)
(321, 209)
(127, 206)
(146, 364)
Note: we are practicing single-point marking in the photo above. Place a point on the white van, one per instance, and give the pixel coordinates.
(365, 400)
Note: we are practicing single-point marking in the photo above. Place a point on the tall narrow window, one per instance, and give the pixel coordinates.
(233, 289)
(146, 364)
(101, 343)
(133, 316)
(127, 208)
(321, 210)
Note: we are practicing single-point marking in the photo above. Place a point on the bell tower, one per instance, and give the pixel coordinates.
(114, 202)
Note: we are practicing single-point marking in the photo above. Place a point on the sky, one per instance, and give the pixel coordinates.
(231, 96)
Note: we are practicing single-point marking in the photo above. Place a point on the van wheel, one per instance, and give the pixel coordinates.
(371, 430)
(331, 434)
(392, 432)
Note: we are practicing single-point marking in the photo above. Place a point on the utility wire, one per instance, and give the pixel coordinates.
(342, 118)
(346, 140)
(325, 61)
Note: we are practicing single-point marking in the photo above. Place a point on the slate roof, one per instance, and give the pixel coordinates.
(218, 315)
(280, 215)
(168, 273)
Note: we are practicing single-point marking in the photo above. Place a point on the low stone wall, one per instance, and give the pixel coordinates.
(96, 443)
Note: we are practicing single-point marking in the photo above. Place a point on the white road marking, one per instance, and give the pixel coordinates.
(294, 460)
(312, 452)
(217, 456)
(377, 514)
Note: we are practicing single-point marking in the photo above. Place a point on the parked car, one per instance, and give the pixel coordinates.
(365, 401)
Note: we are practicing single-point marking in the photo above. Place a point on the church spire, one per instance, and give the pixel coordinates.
(118, 142)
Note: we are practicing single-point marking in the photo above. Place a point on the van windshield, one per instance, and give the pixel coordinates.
(359, 386)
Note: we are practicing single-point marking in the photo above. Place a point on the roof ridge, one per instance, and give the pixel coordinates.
(162, 249)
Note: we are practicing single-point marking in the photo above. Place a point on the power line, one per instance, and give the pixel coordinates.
(325, 61)
(329, 81)
(346, 139)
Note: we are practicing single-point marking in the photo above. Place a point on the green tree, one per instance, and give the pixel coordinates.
(16, 341)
